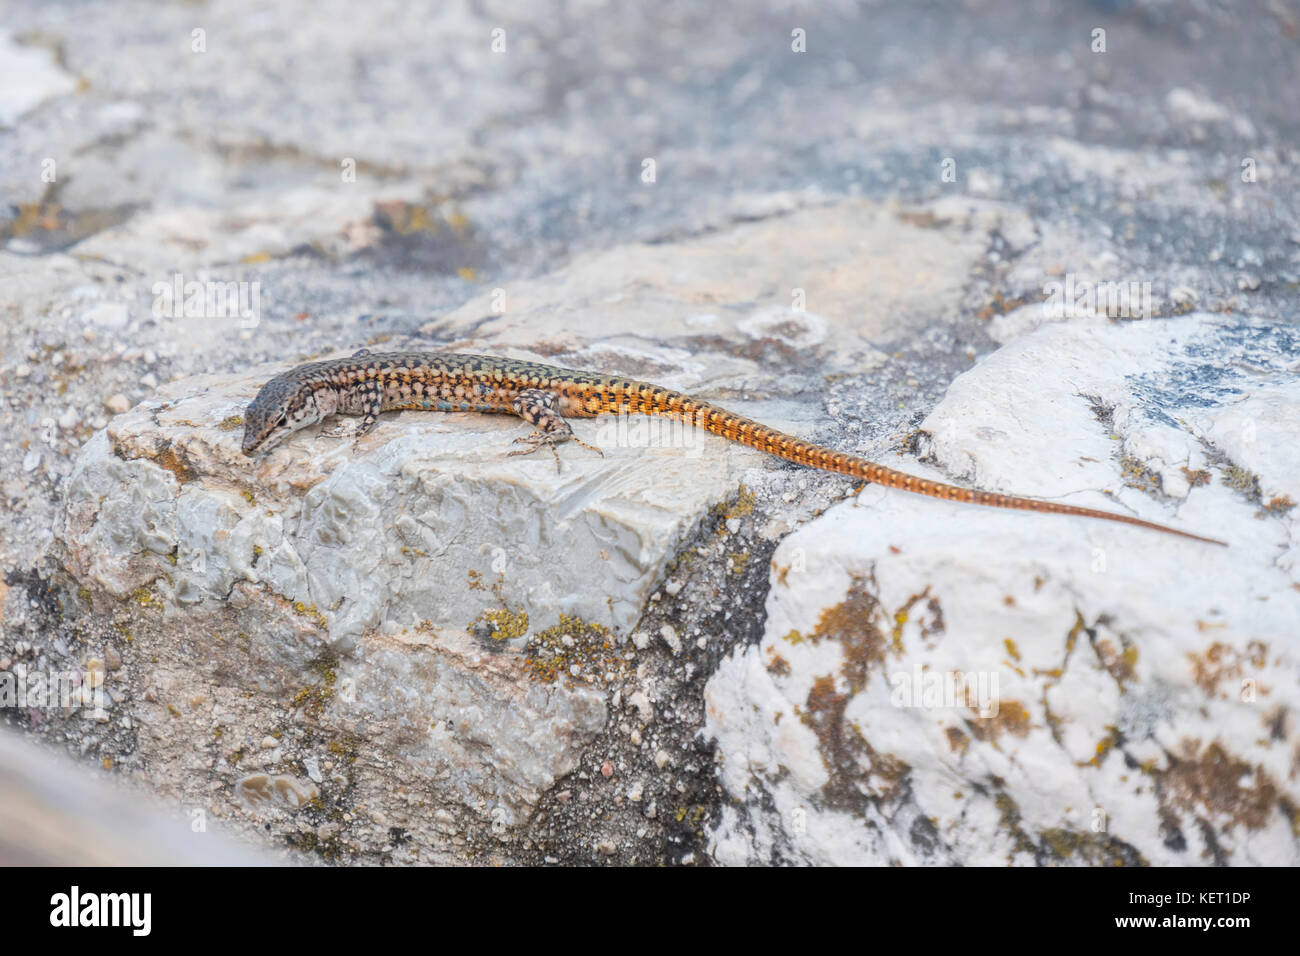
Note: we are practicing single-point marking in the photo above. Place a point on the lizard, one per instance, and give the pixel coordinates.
(369, 383)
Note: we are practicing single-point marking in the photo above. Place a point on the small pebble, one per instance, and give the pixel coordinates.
(645, 710)
(669, 634)
(116, 403)
(94, 672)
(112, 658)
(269, 743)
(607, 770)
(662, 758)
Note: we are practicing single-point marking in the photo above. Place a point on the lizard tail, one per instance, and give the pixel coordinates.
(654, 400)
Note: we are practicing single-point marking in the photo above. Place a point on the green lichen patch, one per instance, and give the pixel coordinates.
(500, 624)
(931, 623)
(1138, 475)
(1092, 849)
(312, 700)
(330, 849)
(145, 598)
(310, 612)
(325, 666)
(230, 423)
(739, 506)
(1120, 662)
(1009, 819)
(577, 652)
(1108, 743)
(1243, 481)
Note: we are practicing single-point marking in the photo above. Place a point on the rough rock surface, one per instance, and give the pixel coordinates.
(1120, 696)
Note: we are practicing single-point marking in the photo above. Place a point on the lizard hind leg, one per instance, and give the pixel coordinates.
(537, 407)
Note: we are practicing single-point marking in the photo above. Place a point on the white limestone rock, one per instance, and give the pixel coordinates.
(721, 315)
(1139, 690)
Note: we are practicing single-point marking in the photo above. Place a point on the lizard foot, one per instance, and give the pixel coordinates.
(539, 439)
(536, 440)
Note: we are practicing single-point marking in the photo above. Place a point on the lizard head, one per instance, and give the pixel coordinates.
(280, 409)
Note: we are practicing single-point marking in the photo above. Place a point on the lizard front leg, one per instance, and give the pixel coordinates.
(538, 407)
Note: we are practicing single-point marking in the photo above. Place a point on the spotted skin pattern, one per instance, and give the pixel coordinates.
(368, 384)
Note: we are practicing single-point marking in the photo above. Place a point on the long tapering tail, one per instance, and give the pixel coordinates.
(643, 398)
